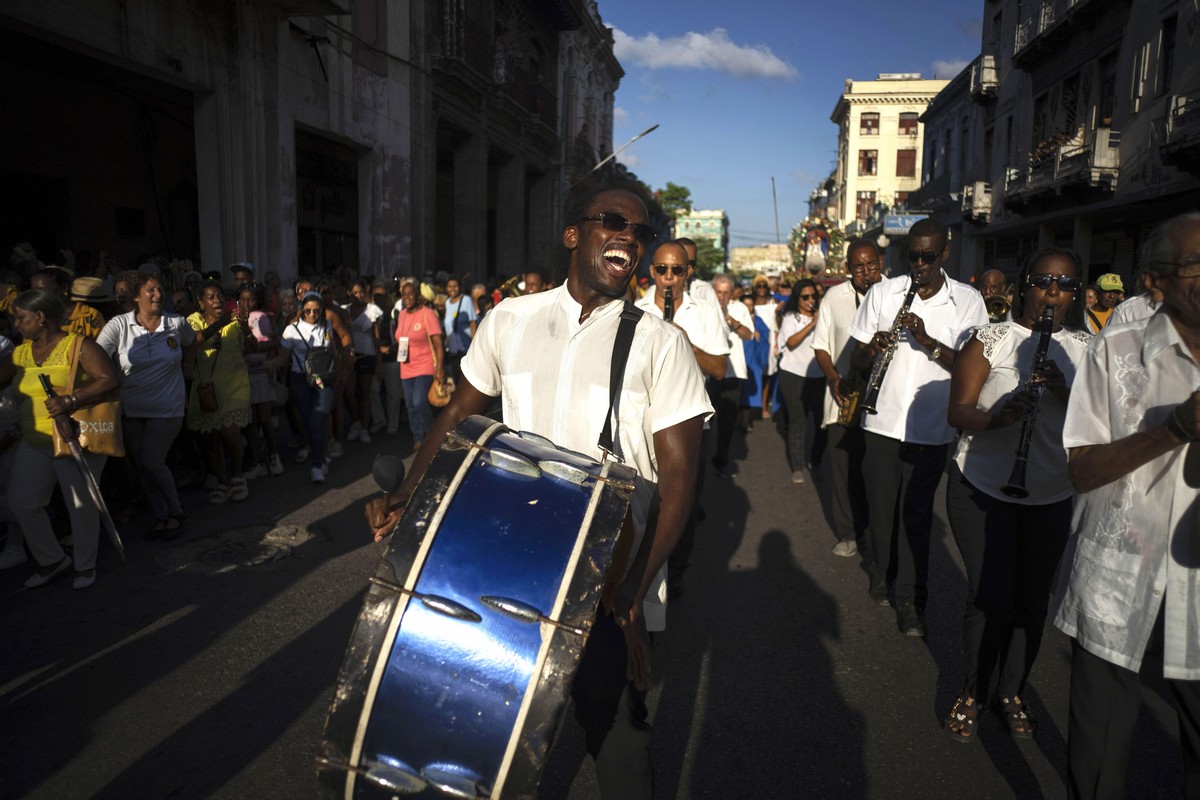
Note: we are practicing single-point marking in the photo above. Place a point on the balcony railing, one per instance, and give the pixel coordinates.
(977, 201)
(932, 194)
(984, 79)
(1180, 146)
(1045, 20)
(1092, 163)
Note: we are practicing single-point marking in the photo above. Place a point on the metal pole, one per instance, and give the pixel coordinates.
(775, 202)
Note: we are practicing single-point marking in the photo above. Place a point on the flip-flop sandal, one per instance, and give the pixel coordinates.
(219, 495)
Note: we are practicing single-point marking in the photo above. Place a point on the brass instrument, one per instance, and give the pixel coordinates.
(1016, 481)
(848, 410)
(998, 307)
(870, 393)
(509, 288)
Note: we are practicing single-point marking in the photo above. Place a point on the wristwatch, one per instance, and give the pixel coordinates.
(936, 352)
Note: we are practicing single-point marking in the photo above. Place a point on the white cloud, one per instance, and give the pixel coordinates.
(628, 159)
(693, 50)
(620, 115)
(948, 68)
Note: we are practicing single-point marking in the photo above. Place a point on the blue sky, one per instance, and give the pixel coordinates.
(743, 90)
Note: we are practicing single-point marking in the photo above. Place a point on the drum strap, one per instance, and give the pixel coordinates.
(630, 315)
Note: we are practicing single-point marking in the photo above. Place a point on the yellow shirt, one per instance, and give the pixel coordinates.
(36, 425)
(84, 320)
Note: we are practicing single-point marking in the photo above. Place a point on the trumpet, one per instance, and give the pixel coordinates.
(870, 393)
(997, 307)
(509, 288)
(1016, 481)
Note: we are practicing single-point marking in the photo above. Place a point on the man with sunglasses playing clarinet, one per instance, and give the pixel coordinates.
(907, 440)
(702, 324)
(550, 353)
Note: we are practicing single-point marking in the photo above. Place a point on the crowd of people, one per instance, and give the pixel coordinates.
(1062, 423)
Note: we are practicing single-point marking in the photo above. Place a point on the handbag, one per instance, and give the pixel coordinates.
(206, 391)
(99, 424)
(320, 362)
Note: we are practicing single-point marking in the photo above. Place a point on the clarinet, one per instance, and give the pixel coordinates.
(668, 305)
(870, 393)
(1016, 481)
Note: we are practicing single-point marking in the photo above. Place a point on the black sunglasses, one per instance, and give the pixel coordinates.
(661, 269)
(612, 221)
(807, 296)
(1065, 282)
(927, 257)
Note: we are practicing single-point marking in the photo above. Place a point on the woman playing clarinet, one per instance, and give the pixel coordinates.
(1008, 498)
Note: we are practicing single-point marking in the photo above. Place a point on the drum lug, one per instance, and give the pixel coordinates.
(442, 605)
(526, 613)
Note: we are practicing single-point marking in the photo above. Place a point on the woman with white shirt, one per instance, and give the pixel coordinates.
(801, 381)
(315, 403)
(1011, 546)
(150, 346)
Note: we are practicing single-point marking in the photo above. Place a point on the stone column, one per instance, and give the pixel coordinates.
(470, 206)
(511, 255)
(1081, 243)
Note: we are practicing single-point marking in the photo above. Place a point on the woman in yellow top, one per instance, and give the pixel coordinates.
(38, 317)
(222, 341)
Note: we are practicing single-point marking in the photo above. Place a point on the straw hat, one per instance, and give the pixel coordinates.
(439, 393)
(91, 290)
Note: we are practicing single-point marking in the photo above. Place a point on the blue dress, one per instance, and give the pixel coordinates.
(758, 354)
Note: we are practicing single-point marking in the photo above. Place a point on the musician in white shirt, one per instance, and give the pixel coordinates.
(906, 441)
(726, 394)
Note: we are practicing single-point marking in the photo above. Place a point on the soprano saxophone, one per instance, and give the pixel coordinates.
(1016, 481)
(870, 393)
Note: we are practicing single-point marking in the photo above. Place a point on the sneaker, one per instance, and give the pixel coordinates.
(336, 450)
(878, 591)
(38, 579)
(726, 470)
(909, 621)
(12, 556)
(257, 471)
(845, 549)
(276, 467)
(325, 467)
(798, 476)
(353, 431)
(84, 579)
(378, 426)
(364, 437)
(302, 455)
(318, 475)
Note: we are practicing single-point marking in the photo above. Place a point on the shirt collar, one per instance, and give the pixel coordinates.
(573, 309)
(947, 294)
(1159, 335)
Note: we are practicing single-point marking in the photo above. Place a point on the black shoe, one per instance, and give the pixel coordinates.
(878, 591)
(908, 621)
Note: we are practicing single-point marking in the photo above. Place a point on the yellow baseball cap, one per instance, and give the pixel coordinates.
(1108, 282)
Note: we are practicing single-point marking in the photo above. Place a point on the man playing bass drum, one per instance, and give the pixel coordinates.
(1011, 544)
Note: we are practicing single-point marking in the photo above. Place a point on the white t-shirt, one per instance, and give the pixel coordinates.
(553, 373)
(151, 364)
(832, 335)
(1137, 307)
(737, 353)
(986, 457)
(1133, 547)
(361, 329)
(300, 337)
(799, 360)
(916, 390)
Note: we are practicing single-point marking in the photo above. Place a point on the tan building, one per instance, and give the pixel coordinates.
(879, 147)
(769, 259)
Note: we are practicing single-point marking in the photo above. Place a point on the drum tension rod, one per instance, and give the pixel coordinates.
(442, 605)
(524, 612)
(456, 442)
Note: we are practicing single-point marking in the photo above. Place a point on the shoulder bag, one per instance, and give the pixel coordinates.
(206, 391)
(99, 424)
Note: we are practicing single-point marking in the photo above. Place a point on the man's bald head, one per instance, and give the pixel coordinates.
(992, 283)
(675, 249)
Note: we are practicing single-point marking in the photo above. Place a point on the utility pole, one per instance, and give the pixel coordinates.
(775, 202)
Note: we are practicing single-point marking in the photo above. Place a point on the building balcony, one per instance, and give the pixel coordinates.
(984, 78)
(313, 8)
(1181, 142)
(1050, 25)
(1085, 169)
(977, 202)
(934, 195)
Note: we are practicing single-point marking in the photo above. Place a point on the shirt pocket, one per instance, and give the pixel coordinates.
(517, 398)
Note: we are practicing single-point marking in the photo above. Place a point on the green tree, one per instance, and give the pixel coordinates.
(710, 259)
(675, 200)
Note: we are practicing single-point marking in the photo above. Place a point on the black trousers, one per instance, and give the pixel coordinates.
(1011, 555)
(613, 714)
(804, 399)
(726, 397)
(901, 480)
(1106, 701)
(844, 452)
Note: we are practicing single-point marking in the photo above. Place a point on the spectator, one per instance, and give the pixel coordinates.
(313, 402)
(460, 326)
(81, 318)
(419, 350)
(363, 319)
(151, 346)
(251, 299)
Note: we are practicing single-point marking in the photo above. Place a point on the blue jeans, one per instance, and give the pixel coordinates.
(314, 406)
(416, 397)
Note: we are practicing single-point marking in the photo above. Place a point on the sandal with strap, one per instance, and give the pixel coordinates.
(959, 724)
(1015, 712)
(238, 490)
(219, 495)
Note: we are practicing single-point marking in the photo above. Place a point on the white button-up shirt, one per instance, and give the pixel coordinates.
(553, 372)
(737, 354)
(700, 319)
(832, 335)
(1134, 541)
(916, 390)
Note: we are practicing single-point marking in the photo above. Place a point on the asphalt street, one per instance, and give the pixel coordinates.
(204, 667)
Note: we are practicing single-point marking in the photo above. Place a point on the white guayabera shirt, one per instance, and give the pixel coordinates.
(553, 372)
(1134, 542)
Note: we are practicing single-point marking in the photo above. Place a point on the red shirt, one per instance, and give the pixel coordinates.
(418, 326)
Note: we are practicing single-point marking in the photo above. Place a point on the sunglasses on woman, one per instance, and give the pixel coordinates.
(661, 269)
(612, 221)
(1065, 282)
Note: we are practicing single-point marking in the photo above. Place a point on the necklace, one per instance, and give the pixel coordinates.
(47, 350)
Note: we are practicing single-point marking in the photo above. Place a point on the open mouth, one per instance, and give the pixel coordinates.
(619, 261)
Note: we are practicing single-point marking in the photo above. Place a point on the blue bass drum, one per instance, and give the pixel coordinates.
(461, 662)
